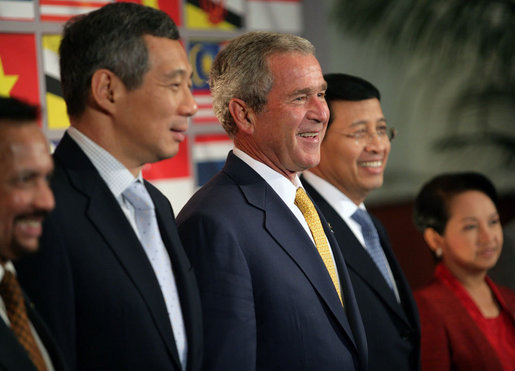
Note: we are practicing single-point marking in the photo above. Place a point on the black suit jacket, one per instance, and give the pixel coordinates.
(14, 357)
(393, 329)
(94, 284)
(268, 300)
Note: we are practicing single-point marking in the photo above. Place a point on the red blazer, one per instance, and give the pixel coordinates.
(450, 337)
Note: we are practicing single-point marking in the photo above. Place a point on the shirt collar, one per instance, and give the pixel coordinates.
(112, 171)
(285, 188)
(336, 198)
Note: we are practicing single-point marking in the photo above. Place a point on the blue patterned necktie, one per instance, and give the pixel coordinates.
(372, 243)
(150, 238)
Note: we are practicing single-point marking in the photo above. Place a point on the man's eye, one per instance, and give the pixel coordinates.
(359, 134)
(382, 130)
(469, 227)
(495, 221)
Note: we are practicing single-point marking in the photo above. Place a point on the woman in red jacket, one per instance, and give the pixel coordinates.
(467, 322)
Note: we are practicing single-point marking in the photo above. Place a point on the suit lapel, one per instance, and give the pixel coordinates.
(44, 334)
(183, 274)
(282, 225)
(356, 258)
(104, 212)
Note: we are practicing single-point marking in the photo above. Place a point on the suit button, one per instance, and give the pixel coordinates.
(406, 336)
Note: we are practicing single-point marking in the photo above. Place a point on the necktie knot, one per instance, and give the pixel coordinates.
(363, 219)
(138, 196)
(10, 290)
(304, 203)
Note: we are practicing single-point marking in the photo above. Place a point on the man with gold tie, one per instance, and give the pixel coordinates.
(25, 199)
(275, 291)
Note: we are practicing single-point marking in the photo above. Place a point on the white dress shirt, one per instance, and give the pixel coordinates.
(285, 189)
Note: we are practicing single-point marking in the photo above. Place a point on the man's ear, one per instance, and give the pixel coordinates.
(434, 240)
(242, 115)
(104, 89)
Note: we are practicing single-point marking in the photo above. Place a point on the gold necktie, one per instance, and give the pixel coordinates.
(17, 314)
(307, 208)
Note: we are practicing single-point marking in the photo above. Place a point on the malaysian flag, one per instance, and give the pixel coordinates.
(62, 10)
(201, 55)
(209, 154)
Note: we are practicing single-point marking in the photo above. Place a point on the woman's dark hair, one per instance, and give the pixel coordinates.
(432, 203)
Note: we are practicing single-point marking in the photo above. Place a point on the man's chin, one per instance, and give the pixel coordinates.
(20, 250)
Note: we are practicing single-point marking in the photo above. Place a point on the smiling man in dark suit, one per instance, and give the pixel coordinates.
(115, 298)
(271, 277)
(25, 200)
(353, 158)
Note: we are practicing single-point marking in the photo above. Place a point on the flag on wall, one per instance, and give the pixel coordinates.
(215, 14)
(173, 177)
(57, 118)
(209, 155)
(18, 67)
(17, 10)
(170, 7)
(175, 167)
(201, 55)
(275, 15)
(62, 10)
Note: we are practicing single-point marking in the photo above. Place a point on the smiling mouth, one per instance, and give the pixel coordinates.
(371, 164)
(308, 135)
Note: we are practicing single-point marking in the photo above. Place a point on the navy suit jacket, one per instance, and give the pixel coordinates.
(268, 300)
(14, 357)
(393, 329)
(93, 283)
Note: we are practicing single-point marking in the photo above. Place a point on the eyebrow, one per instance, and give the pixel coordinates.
(473, 218)
(362, 122)
(175, 73)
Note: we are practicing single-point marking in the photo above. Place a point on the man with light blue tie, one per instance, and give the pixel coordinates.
(353, 154)
(112, 279)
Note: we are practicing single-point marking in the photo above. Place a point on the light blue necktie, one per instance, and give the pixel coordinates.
(372, 243)
(150, 238)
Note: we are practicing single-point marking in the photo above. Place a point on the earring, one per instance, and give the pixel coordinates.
(438, 252)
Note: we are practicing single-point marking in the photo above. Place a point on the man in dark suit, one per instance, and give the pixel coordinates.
(115, 298)
(271, 277)
(353, 157)
(25, 200)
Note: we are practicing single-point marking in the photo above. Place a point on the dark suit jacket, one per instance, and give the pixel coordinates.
(268, 301)
(393, 329)
(451, 340)
(14, 357)
(94, 284)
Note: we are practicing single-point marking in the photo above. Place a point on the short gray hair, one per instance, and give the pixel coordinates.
(241, 71)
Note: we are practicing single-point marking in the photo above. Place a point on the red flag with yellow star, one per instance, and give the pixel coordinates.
(18, 67)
